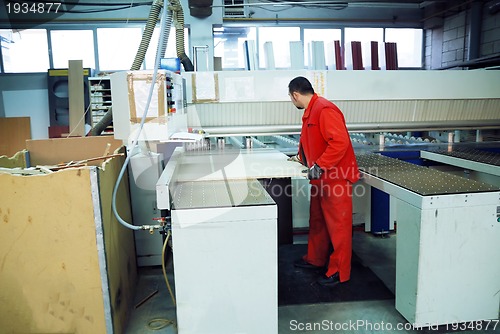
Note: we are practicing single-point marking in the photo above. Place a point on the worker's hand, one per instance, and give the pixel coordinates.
(315, 172)
(294, 158)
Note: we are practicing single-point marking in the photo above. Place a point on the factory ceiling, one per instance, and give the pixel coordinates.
(416, 5)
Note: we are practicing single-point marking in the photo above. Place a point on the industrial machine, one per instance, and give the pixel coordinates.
(231, 134)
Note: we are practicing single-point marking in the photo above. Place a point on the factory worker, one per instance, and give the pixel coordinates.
(325, 148)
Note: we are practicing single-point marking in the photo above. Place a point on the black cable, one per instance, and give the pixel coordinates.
(93, 11)
(94, 4)
(88, 4)
(324, 4)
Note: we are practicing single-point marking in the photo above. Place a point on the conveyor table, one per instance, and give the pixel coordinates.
(448, 241)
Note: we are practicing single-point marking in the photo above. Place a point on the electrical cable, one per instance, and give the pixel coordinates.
(163, 267)
(134, 143)
(92, 11)
(111, 6)
(93, 4)
(160, 323)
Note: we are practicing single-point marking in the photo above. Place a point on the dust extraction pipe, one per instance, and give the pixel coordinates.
(179, 36)
(154, 14)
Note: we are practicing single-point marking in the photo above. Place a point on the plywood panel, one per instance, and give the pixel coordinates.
(49, 270)
(76, 98)
(13, 134)
(58, 150)
(58, 273)
(119, 243)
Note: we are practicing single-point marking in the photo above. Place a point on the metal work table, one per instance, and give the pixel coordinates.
(235, 164)
(218, 194)
(225, 228)
(483, 156)
(418, 179)
(482, 161)
(448, 241)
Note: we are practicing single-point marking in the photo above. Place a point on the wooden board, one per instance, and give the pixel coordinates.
(13, 134)
(49, 270)
(51, 254)
(76, 98)
(119, 243)
(58, 150)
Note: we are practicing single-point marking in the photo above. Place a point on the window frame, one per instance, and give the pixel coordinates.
(69, 26)
(256, 25)
(326, 25)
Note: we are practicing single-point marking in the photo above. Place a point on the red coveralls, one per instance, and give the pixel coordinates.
(325, 141)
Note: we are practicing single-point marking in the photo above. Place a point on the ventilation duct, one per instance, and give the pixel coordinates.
(200, 8)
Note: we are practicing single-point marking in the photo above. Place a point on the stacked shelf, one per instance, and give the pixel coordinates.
(100, 100)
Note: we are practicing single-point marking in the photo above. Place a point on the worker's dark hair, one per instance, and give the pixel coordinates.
(300, 85)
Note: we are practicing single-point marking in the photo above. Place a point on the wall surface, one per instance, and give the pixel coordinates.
(490, 41)
(448, 44)
(26, 95)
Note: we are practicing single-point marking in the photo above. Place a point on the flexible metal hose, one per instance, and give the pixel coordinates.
(166, 34)
(154, 13)
(179, 36)
(134, 143)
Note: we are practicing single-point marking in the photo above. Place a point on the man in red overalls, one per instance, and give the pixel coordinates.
(325, 148)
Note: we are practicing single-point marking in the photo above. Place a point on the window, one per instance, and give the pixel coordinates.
(327, 36)
(365, 36)
(280, 38)
(72, 45)
(171, 46)
(117, 47)
(25, 50)
(409, 45)
(228, 44)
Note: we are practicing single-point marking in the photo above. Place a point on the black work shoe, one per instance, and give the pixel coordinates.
(329, 281)
(301, 263)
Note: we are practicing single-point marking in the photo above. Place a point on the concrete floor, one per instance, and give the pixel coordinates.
(375, 252)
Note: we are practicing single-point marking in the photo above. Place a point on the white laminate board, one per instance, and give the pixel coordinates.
(252, 164)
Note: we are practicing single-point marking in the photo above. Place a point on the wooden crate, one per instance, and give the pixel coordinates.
(66, 264)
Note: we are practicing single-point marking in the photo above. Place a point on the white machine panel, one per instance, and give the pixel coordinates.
(448, 248)
(165, 116)
(225, 260)
(144, 171)
(447, 261)
(223, 165)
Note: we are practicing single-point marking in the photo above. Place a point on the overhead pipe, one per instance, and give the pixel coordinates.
(200, 8)
(179, 36)
(475, 27)
(166, 33)
(154, 14)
